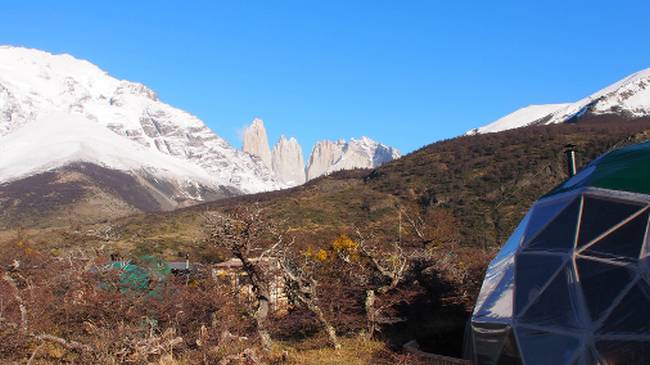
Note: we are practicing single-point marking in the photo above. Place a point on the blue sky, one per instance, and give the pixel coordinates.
(406, 73)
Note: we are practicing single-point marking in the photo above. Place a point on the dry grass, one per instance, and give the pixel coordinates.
(354, 351)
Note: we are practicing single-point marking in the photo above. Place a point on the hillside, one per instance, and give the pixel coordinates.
(84, 193)
(484, 182)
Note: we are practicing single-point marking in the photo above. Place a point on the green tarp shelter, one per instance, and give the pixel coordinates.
(144, 274)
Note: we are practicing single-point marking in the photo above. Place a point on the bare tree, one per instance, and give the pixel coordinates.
(384, 266)
(418, 226)
(302, 287)
(244, 233)
(392, 267)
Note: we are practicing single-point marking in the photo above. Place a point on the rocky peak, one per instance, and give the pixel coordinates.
(380, 153)
(329, 156)
(288, 162)
(324, 155)
(256, 142)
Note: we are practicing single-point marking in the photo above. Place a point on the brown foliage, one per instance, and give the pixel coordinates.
(66, 309)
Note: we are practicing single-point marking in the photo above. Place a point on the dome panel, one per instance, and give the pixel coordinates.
(601, 283)
(494, 284)
(532, 273)
(498, 304)
(543, 348)
(557, 306)
(631, 315)
(559, 235)
(514, 241)
(624, 243)
(543, 213)
(600, 215)
(644, 267)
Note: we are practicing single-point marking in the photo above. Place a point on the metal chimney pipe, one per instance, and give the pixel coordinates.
(570, 153)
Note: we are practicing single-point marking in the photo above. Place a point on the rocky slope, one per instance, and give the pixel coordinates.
(56, 110)
(629, 97)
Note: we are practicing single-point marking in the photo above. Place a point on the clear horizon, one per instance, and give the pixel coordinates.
(404, 74)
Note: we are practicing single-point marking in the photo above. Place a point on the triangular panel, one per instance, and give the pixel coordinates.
(533, 272)
(560, 234)
(632, 315)
(601, 283)
(498, 304)
(644, 266)
(599, 215)
(494, 281)
(513, 242)
(543, 214)
(557, 305)
(544, 348)
(623, 243)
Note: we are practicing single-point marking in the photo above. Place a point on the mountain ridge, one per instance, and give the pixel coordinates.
(629, 96)
(287, 160)
(58, 113)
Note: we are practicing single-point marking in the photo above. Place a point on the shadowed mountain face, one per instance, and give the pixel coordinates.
(85, 192)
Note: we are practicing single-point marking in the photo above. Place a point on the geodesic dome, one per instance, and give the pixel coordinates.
(572, 283)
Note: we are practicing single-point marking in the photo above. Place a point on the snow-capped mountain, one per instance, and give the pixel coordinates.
(78, 144)
(629, 97)
(519, 118)
(57, 110)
